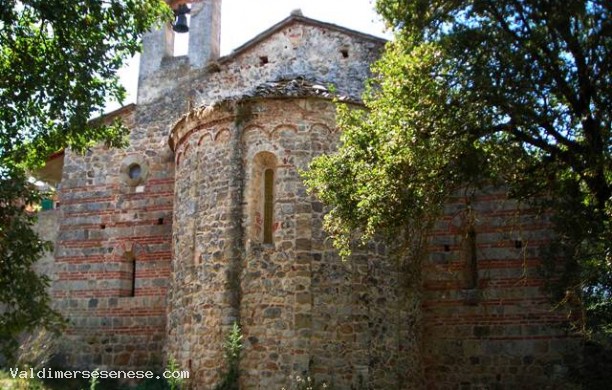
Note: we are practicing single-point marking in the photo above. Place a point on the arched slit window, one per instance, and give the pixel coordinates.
(268, 205)
(127, 281)
(471, 274)
(133, 281)
(261, 198)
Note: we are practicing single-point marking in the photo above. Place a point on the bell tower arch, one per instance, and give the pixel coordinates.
(157, 57)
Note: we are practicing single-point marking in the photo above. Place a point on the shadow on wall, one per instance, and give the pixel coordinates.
(592, 370)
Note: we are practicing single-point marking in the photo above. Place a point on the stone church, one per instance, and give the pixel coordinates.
(203, 221)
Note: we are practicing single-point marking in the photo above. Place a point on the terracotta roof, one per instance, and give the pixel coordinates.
(112, 114)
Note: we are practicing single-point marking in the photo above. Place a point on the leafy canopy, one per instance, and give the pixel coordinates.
(58, 65)
(511, 92)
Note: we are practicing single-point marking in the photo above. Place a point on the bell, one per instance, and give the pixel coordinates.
(181, 26)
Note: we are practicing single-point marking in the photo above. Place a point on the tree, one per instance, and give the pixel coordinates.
(58, 65)
(479, 91)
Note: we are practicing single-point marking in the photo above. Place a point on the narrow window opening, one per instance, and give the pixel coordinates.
(160, 221)
(261, 199)
(263, 60)
(472, 259)
(344, 53)
(268, 205)
(180, 31)
(127, 278)
(102, 226)
(518, 244)
(181, 43)
(133, 290)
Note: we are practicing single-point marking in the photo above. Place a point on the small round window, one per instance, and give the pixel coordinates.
(134, 171)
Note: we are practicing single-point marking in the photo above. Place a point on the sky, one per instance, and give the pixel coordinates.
(242, 20)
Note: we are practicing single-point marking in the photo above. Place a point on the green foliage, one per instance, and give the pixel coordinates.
(36, 349)
(395, 166)
(174, 383)
(298, 382)
(150, 384)
(578, 263)
(58, 64)
(472, 92)
(233, 346)
(7, 382)
(26, 304)
(93, 382)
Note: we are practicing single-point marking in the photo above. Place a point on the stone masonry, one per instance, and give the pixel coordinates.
(203, 221)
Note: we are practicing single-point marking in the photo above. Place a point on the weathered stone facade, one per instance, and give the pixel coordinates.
(203, 221)
(300, 307)
(487, 320)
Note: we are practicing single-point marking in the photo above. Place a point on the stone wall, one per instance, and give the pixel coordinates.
(488, 322)
(301, 309)
(199, 304)
(113, 251)
(47, 229)
(112, 255)
(160, 251)
(301, 48)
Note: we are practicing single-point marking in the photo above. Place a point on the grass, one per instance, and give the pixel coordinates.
(7, 382)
